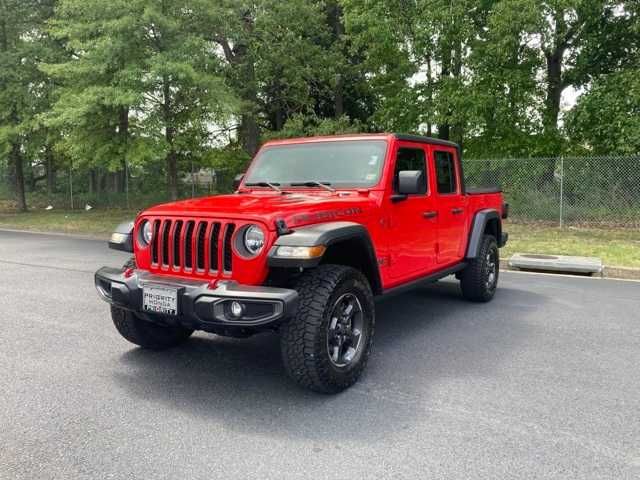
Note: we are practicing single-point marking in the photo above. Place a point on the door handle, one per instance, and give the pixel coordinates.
(457, 211)
(430, 214)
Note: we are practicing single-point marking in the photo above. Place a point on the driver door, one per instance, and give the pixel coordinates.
(413, 232)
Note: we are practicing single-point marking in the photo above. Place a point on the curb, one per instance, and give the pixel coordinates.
(57, 234)
(619, 273)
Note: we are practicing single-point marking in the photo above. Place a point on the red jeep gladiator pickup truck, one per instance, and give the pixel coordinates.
(316, 229)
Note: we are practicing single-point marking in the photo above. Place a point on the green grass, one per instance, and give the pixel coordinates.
(616, 247)
(94, 223)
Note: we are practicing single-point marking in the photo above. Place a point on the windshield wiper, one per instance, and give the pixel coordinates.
(273, 186)
(313, 183)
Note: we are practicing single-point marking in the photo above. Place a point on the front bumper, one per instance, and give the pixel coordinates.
(199, 307)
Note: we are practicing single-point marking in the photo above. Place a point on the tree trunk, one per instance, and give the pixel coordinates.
(18, 169)
(337, 27)
(51, 172)
(249, 134)
(444, 128)
(457, 129)
(93, 181)
(171, 159)
(249, 130)
(278, 118)
(339, 96)
(102, 182)
(123, 134)
(335, 17)
(554, 91)
(172, 175)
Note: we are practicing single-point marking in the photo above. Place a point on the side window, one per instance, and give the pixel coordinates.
(445, 172)
(410, 159)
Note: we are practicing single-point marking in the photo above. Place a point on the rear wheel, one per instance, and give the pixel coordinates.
(479, 279)
(326, 345)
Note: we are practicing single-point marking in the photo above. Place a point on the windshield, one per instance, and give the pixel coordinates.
(352, 163)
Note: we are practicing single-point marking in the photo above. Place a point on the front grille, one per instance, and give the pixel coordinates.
(192, 246)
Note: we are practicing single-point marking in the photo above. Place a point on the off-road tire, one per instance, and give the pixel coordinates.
(474, 279)
(304, 336)
(146, 334)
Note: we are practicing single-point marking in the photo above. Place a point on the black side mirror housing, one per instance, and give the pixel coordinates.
(411, 182)
(237, 180)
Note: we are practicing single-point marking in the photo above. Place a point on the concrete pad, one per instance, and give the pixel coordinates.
(556, 263)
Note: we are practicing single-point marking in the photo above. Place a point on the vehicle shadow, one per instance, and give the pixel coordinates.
(422, 337)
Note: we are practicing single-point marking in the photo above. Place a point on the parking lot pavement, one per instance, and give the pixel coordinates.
(543, 382)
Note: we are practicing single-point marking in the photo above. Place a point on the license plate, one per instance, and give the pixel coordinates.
(160, 299)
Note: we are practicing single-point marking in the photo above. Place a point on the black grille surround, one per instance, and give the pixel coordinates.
(191, 245)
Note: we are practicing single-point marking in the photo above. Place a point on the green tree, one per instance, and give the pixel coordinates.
(575, 40)
(418, 56)
(141, 84)
(22, 85)
(606, 119)
(280, 59)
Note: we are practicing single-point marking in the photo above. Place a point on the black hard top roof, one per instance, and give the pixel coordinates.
(422, 139)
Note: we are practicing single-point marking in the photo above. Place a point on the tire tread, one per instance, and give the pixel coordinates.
(301, 338)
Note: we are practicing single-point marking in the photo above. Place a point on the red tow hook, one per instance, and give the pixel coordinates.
(213, 284)
(128, 272)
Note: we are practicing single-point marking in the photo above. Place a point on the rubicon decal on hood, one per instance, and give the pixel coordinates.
(326, 215)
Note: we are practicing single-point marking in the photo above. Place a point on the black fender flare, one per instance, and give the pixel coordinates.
(325, 234)
(480, 221)
(122, 237)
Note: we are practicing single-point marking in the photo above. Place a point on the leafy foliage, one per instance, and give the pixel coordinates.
(145, 89)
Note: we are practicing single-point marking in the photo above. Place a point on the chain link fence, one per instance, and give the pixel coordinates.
(576, 191)
(81, 188)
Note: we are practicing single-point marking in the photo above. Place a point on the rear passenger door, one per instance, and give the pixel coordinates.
(450, 203)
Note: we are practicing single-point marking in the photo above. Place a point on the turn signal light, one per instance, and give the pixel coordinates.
(300, 252)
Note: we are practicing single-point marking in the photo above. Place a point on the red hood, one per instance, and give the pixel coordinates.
(295, 209)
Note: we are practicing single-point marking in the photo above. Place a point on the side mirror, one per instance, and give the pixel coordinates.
(409, 182)
(237, 180)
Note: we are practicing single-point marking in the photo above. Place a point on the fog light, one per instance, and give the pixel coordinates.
(236, 309)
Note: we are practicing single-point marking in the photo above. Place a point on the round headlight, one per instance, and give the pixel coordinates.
(147, 233)
(253, 239)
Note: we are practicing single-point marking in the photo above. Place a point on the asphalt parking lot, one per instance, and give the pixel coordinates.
(543, 382)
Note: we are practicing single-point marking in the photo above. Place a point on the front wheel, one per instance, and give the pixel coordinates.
(479, 279)
(326, 345)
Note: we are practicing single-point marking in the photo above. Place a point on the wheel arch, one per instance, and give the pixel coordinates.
(347, 243)
(485, 221)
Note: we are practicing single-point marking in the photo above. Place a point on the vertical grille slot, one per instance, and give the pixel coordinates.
(188, 251)
(154, 241)
(176, 244)
(213, 247)
(202, 229)
(228, 254)
(166, 226)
